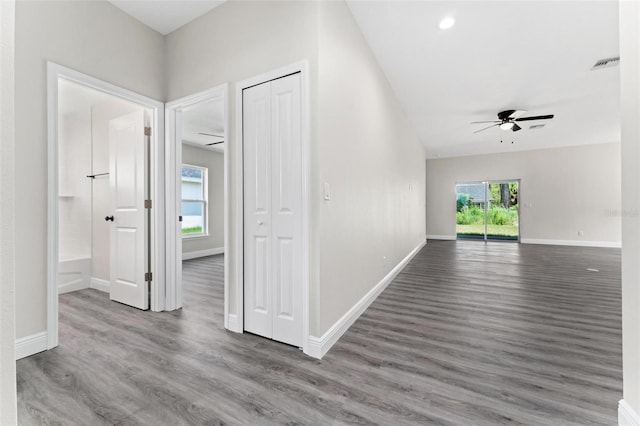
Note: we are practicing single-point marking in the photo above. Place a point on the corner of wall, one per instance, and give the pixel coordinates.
(629, 13)
(8, 401)
(358, 115)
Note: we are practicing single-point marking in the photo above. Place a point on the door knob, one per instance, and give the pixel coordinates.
(109, 218)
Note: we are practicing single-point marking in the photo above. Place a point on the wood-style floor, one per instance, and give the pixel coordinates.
(468, 334)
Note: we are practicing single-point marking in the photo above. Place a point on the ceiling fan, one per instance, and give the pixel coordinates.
(507, 120)
(216, 136)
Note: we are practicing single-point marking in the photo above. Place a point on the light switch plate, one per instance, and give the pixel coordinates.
(327, 191)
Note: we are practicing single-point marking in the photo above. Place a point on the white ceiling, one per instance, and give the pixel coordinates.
(166, 16)
(205, 117)
(532, 55)
(499, 55)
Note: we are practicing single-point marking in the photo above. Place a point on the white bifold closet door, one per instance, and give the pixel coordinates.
(273, 210)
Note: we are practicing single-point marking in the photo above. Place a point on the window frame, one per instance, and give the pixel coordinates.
(204, 201)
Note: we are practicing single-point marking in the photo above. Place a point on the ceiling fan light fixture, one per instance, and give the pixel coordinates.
(507, 126)
(447, 23)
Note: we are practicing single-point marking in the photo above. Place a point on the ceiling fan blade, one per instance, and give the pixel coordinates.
(517, 113)
(494, 125)
(535, 117)
(515, 127)
(209, 134)
(214, 143)
(492, 121)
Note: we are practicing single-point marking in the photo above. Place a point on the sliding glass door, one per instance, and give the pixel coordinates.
(471, 199)
(488, 210)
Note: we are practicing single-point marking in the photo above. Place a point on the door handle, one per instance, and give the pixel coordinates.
(109, 218)
(260, 223)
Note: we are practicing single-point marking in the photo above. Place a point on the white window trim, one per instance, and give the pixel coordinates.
(204, 201)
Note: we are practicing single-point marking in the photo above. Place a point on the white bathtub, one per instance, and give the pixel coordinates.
(74, 273)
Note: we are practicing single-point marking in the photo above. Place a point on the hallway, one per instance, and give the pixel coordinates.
(468, 333)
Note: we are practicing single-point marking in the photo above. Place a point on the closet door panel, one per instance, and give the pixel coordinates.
(286, 172)
(257, 210)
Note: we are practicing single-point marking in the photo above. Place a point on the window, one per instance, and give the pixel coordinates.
(194, 201)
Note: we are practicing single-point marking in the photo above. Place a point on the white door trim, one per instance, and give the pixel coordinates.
(54, 72)
(301, 67)
(174, 257)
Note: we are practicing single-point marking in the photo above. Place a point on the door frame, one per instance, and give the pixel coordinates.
(236, 320)
(486, 182)
(173, 191)
(156, 227)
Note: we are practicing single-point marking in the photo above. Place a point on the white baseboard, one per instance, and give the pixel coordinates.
(75, 285)
(626, 415)
(100, 284)
(577, 243)
(233, 323)
(318, 346)
(441, 237)
(30, 345)
(202, 253)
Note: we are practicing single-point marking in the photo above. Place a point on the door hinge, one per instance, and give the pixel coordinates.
(148, 276)
(147, 204)
(147, 131)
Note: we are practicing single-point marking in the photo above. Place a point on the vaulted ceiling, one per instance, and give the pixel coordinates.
(499, 55)
(531, 55)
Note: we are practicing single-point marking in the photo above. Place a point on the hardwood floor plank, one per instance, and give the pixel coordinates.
(467, 334)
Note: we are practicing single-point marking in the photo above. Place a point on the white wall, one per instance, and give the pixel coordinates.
(361, 141)
(562, 191)
(235, 41)
(630, 97)
(92, 37)
(229, 44)
(214, 162)
(370, 155)
(101, 114)
(8, 412)
(74, 188)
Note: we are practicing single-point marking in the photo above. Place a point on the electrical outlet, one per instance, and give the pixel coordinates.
(580, 233)
(384, 261)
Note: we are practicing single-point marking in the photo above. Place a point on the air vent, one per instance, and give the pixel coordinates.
(536, 126)
(606, 63)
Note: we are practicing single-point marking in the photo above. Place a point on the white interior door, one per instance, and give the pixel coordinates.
(129, 237)
(178, 229)
(273, 210)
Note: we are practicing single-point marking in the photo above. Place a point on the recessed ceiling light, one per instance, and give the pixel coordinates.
(447, 22)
